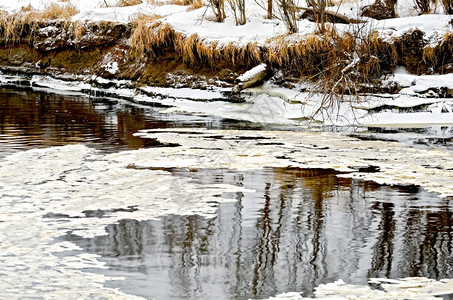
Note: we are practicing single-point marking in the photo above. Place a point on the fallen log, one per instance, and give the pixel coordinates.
(332, 16)
(250, 78)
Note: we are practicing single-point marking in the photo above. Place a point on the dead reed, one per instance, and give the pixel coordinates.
(124, 3)
(152, 37)
(55, 11)
(14, 26)
(334, 59)
(440, 56)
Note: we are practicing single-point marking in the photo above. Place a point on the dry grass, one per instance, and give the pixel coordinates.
(436, 56)
(429, 55)
(149, 35)
(334, 59)
(124, 3)
(27, 8)
(424, 6)
(194, 4)
(54, 11)
(448, 6)
(14, 26)
(341, 63)
(155, 2)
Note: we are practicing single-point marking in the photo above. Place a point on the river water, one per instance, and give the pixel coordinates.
(86, 212)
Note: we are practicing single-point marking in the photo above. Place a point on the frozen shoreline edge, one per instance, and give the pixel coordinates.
(267, 104)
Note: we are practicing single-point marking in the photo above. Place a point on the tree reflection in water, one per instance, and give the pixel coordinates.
(31, 119)
(300, 229)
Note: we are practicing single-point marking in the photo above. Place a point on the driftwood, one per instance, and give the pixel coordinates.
(333, 16)
(252, 77)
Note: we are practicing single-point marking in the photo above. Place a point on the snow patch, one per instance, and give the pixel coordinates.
(111, 67)
(250, 74)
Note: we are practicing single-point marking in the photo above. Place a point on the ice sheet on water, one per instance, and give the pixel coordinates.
(185, 93)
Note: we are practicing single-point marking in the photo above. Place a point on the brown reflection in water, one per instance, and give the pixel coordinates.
(130, 122)
(33, 119)
(300, 229)
(47, 118)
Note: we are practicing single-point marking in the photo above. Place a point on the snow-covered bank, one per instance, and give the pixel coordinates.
(257, 29)
(265, 105)
(185, 48)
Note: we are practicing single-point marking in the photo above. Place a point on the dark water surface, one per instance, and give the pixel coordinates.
(31, 119)
(300, 229)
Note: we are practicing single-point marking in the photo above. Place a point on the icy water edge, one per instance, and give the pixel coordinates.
(95, 218)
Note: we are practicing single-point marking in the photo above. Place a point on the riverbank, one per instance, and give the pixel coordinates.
(349, 73)
(152, 52)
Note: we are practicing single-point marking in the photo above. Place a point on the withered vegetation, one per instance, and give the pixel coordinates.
(341, 60)
(342, 64)
(124, 3)
(14, 26)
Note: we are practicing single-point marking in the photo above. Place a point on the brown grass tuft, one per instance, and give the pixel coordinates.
(429, 55)
(194, 4)
(187, 48)
(14, 26)
(27, 8)
(124, 3)
(150, 35)
(437, 57)
(54, 11)
(253, 53)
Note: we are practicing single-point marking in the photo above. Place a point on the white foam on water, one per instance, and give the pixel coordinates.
(45, 193)
(399, 164)
(404, 288)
